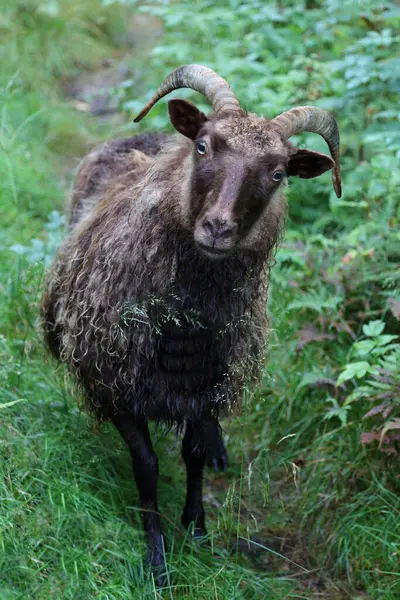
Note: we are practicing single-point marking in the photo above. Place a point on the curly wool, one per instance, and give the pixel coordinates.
(129, 278)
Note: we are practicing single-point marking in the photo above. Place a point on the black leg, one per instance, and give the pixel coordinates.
(216, 454)
(202, 443)
(145, 468)
(194, 455)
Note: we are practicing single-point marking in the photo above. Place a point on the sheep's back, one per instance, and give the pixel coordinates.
(126, 159)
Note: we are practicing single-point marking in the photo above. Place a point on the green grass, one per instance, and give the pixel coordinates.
(305, 510)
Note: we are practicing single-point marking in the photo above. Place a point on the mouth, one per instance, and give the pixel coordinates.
(212, 251)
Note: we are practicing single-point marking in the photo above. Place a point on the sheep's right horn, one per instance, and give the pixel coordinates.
(316, 120)
(201, 79)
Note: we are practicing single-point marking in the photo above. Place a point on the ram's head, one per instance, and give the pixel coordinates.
(240, 161)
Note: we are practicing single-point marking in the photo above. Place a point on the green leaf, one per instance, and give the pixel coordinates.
(337, 411)
(362, 391)
(8, 404)
(364, 347)
(383, 340)
(356, 369)
(374, 328)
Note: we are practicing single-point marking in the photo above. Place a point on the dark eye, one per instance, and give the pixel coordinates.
(277, 176)
(201, 147)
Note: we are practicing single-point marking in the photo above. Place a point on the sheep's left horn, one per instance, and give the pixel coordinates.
(201, 79)
(316, 120)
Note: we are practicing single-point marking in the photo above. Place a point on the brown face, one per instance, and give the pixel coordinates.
(239, 164)
(231, 189)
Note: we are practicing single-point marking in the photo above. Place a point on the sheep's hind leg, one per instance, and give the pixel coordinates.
(145, 468)
(216, 454)
(194, 455)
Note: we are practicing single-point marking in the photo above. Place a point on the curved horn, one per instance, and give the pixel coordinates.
(201, 79)
(316, 120)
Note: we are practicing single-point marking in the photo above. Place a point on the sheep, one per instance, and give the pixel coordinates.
(157, 297)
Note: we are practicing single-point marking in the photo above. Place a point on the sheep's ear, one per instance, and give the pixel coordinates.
(185, 117)
(307, 164)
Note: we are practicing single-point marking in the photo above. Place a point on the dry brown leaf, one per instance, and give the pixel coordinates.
(309, 334)
(376, 410)
(387, 412)
(370, 253)
(348, 257)
(394, 305)
(344, 326)
(369, 436)
(395, 424)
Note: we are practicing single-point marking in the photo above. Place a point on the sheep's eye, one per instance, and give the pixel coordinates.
(201, 147)
(277, 176)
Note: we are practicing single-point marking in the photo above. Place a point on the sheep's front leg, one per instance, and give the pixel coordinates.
(145, 468)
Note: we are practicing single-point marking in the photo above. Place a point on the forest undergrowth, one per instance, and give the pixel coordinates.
(309, 507)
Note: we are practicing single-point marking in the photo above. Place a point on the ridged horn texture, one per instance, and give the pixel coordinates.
(316, 120)
(201, 79)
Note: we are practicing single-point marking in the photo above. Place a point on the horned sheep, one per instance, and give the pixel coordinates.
(157, 298)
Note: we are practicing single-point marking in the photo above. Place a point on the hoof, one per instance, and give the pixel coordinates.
(160, 577)
(200, 537)
(198, 533)
(155, 560)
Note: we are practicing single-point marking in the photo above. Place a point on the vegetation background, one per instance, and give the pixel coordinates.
(309, 507)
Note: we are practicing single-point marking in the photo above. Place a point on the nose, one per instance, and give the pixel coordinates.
(219, 229)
